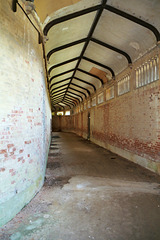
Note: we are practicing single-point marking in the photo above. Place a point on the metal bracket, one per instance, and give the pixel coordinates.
(14, 5)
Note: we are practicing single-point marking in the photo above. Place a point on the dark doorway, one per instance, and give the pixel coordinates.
(88, 137)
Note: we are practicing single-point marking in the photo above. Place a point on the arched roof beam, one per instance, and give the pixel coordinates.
(60, 74)
(90, 74)
(99, 64)
(75, 95)
(49, 54)
(81, 88)
(92, 85)
(59, 94)
(69, 17)
(71, 98)
(60, 106)
(113, 49)
(67, 102)
(66, 79)
(55, 102)
(68, 94)
(134, 19)
(58, 98)
(78, 91)
(58, 87)
(62, 63)
(85, 58)
(53, 93)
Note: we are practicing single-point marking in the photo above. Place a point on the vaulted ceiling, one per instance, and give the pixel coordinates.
(91, 41)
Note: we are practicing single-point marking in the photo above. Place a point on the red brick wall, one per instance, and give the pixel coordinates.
(130, 122)
(128, 125)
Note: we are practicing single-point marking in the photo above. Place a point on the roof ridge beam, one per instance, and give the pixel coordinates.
(91, 31)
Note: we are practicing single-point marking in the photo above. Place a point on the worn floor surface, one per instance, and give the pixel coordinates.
(89, 193)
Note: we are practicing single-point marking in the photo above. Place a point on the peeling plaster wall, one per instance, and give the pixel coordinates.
(25, 114)
(128, 125)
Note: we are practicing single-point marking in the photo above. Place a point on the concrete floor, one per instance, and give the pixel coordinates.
(89, 193)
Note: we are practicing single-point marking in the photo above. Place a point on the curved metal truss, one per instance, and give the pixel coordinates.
(73, 89)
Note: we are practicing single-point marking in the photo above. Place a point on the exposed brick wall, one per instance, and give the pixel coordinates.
(128, 125)
(24, 112)
(131, 122)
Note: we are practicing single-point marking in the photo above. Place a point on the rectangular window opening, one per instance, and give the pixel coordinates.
(60, 113)
(148, 72)
(100, 98)
(110, 93)
(124, 85)
(67, 113)
(93, 101)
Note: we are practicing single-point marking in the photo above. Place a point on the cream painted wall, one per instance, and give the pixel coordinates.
(45, 8)
(25, 113)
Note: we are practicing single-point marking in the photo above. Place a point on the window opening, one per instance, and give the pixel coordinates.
(110, 93)
(148, 72)
(124, 85)
(60, 113)
(100, 98)
(67, 113)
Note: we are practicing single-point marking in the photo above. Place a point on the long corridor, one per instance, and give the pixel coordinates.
(89, 193)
